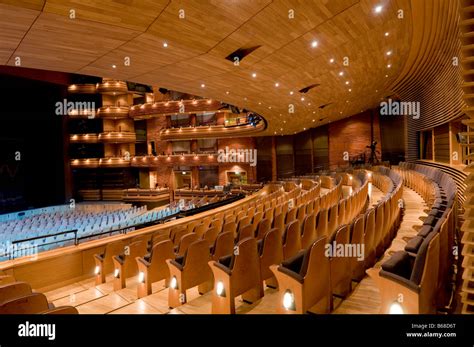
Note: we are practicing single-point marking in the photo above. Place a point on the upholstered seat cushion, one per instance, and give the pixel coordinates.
(413, 245)
(399, 263)
(424, 231)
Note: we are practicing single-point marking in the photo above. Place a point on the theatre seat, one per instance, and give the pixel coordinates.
(263, 227)
(184, 243)
(308, 232)
(341, 276)
(408, 283)
(125, 265)
(231, 226)
(245, 232)
(304, 281)
(379, 229)
(332, 220)
(210, 236)
(290, 215)
(223, 246)
(357, 243)
(26, 304)
(271, 252)
(292, 239)
(279, 222)
(154, 268)
(369, 238)
(236, 275)
(322, 223)
(103, 261)
(14, 290)
(189, 271)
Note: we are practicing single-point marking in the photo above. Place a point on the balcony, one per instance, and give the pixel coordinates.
(91, 163)
(82, 113)
(84, 138)
(113, 87)
(117, 137)
(174, 107)
(94, 163)
(82, 89)
(176, 159)
(212, 131)
(113, 112)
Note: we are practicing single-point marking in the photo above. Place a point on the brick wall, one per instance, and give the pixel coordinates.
(352, 135)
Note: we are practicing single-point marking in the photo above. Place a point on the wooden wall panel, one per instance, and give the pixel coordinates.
(441, 143)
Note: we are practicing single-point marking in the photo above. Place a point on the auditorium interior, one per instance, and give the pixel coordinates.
(237, 157)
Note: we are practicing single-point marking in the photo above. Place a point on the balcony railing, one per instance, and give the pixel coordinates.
(177, 107)
(117, 137)
(113, 112)
(175, 159)
(213, 131)
(112, 87)
(82, 89)
(93, 163)
(83, 138)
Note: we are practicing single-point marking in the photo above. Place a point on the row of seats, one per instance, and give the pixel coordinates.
(44, 224)
(414, 280)
(18, 298)
(313, 276)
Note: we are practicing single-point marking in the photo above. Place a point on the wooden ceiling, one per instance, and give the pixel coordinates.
(103, 33)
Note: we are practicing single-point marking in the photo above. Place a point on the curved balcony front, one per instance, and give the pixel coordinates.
(83, 138)
(113, 112)
(90, 163)
(209, 159)
(82, 113)
(112, 87)
(94, 163)
(211, 131)
(179, 106)
(117, 137)
(82, 88)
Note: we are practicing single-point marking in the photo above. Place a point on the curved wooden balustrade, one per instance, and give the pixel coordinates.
(467, 41)
(117, 137)
(82, 113)
(93, 163)
(175, 159)
(179, 106)
(70, 263)
(84, 138)
(112, 87)
(90, 163)
(212, 131)
(113, 112)
(82, 88)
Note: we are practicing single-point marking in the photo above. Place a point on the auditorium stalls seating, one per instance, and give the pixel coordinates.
(419, 273)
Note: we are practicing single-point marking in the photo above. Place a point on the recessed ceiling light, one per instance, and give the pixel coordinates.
(245, 98)
(259, 103)
(269, 107)
(314, 112)
(387, 33)
(340, 112)
(347, 82)
(227, 92)
(302, 98)
(291, 93)
(389, 66)
(309, 104)
(304, 128)
(284, 121)
(254, 75)
(203, 85)
(331, 60)
(389, 53)
(277, 84)
(165, 44)
(350, 90)
(275, 132)
(281, 129)
(341, 73)
(114, 66)
(314, 44)
(314, 120)
(386, 75)
(378, 9)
